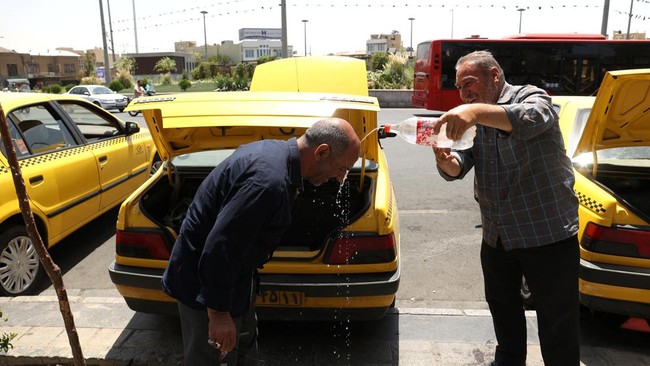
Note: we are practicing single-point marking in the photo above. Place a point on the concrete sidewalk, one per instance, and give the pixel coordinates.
(112, 334)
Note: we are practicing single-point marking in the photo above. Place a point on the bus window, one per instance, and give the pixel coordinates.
(560, 64)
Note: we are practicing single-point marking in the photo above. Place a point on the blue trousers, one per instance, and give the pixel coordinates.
(552, 275)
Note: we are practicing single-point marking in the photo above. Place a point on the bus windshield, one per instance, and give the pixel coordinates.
(561, 66)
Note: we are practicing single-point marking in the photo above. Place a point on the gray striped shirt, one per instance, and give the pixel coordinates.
(523, 179)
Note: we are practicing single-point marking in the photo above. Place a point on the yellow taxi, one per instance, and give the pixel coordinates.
(77, 161)
(608, 138)
(340, 258)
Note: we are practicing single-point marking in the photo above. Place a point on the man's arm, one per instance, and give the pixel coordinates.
(461, 118)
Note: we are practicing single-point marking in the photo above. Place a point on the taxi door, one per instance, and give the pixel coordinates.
(122, 158)
(60, 174)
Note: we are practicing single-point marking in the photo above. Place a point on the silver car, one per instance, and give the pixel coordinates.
(101, 96)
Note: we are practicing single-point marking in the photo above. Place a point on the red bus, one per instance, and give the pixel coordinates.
(561, 64)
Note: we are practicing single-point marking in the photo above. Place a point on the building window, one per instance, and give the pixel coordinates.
(33, 69)
(12, 69)
(69, 68)
(249, 53)
(53, 68)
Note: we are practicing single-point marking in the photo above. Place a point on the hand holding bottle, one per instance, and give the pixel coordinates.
(458, 120)
(421, 131)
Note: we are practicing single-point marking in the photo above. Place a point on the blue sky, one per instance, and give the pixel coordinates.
(333, 25)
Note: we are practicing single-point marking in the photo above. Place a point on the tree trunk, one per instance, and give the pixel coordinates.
(53, 271)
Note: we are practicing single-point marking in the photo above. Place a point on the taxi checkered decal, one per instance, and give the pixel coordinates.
(589, 203)
(40, 159)
(63, 154)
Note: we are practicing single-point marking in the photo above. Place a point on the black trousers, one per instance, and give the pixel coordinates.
(197, 351)
(552, 275)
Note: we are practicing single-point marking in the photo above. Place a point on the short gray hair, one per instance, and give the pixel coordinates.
(327, 131)
(484, 60)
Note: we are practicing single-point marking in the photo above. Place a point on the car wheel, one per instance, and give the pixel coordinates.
(133, 113)
(20, 267)
(121, 110)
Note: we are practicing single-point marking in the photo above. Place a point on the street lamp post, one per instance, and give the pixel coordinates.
(205, 35)
(304, 21)
(411, 47)
(521, 11)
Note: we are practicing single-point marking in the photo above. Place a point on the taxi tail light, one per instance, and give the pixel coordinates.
(363, 250)
(616, 241)
(137, 244)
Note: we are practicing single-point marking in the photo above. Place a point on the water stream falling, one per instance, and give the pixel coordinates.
(341, 328)
(369, 133)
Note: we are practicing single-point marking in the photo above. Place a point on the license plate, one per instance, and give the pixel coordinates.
(285, 298)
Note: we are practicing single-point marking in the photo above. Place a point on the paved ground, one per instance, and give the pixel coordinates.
(112, 334)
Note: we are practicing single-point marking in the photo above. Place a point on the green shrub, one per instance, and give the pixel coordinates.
(378, 61)
(69, 86)
(55, 89)
(125, 79)
(166, 79)
(265, 59)
(223, 83)
(116, 86)
(184, 84)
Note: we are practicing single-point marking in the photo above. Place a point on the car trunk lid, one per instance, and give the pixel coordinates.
(619, 117)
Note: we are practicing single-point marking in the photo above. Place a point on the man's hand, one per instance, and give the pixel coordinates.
(221, 331)
(446, 161)
(458, 120)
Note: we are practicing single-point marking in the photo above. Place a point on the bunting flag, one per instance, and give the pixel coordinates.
(239, 7)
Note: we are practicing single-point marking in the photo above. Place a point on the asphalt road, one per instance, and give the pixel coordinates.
(440, 240)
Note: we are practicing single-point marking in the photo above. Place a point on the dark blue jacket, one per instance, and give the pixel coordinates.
(233, 225)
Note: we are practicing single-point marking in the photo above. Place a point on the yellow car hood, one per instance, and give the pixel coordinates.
(190, 122)
(619, 117)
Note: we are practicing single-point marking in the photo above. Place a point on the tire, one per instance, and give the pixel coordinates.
(121, 110)
(20, 268)
(133, 113)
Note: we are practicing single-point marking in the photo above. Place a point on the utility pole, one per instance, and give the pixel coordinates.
(521, 11)
(135, 28)
(629, 21)
(411, 46)
(603, 27)
(452, 23)
(110, 27)
(205, 35)
(285, 48)
(107, 69)
(304, 21)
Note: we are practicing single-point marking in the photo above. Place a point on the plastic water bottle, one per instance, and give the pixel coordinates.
(419, 131)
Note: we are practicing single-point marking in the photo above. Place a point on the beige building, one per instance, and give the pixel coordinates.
(40, 68)
(622, 35)
(390, 43)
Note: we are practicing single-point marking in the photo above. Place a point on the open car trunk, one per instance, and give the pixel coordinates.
(630, 184)
(320, 212)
